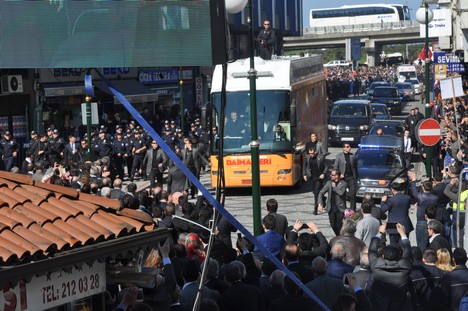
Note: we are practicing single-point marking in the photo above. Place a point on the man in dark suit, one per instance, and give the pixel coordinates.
(240, 296)
(192, 158)
(391, 273)
(397, 207)
(155, 162)
(326, 288)
(70, 151)
(336, 200)
(345, 162)
(314, 170)
(454, 283)
(281, 222)
(436, 240)
(191, 273)
(293, 299)
(407, 148)
(291, 260)
(117, 192)
(176, 180)
(424, 199)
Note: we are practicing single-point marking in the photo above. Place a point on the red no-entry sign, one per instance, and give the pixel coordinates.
(428, 132)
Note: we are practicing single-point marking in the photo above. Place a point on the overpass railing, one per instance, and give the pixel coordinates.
(362, 27)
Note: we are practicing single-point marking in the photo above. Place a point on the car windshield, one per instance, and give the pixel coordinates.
(372, 159)
(379, 109)
(377, 84)
(388, 129)
(349, 111)
(402, 86)
(412, 81)
(385, 92)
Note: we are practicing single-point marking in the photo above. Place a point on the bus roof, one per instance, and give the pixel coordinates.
(276, 74)
(350, 6)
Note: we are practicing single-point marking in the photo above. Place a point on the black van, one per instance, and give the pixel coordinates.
(349, 121)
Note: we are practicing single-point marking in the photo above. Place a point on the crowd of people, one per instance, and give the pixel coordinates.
(369, 264)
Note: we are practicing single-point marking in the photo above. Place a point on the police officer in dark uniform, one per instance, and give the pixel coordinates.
(103, 146)
(119, 154)
(56, 145)
(169, 138)
(118, 129)
(33, 143)
(167, 125)
(173, 126)
(42, 150)
(9, 151)
(138, 147)
(129, 137)
(180, 139)
(104, 129)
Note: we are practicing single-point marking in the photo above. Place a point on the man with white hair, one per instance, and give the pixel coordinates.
(337, 267)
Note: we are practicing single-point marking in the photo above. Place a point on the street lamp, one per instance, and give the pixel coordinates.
(235, 6)
(424, 15)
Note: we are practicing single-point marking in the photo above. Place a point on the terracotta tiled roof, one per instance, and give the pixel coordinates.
(39, 220)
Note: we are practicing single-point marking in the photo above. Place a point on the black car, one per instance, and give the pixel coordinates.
(380, 162)
(370, 91)
(389, 96)
(349, 121)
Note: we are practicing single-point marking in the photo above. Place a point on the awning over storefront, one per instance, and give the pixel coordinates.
(63, 89)
(134, 91)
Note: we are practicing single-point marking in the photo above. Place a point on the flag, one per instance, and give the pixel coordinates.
(422, 54)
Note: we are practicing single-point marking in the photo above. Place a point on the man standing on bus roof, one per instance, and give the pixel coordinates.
(345, 162)
(266, 40)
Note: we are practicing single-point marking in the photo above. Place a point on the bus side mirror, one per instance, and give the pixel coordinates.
(292, 113)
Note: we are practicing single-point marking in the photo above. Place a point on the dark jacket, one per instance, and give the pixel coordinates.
(322, 167)
(339, 193)
(243, 297)
(424, 200)
(391, 278)
(340, 163)
(397, 208)
(455, 285)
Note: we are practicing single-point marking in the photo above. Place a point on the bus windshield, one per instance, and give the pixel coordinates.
(273, 121)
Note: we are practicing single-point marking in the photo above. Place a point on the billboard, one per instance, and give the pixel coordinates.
(104, 33)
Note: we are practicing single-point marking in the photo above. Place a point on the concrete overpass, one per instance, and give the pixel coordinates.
(372, 37)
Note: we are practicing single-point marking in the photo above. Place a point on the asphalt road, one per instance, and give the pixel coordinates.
(294, 203)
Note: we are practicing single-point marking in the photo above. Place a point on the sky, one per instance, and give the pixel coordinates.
(317, 4)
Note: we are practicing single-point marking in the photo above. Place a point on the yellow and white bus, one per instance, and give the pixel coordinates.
(291, 96)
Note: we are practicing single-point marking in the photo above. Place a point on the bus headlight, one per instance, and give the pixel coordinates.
(396, 102)
(364, 127)
(332, 127)
(284, 171)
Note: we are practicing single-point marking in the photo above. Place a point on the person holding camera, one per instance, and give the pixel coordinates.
(424, 198)
(397, 207)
